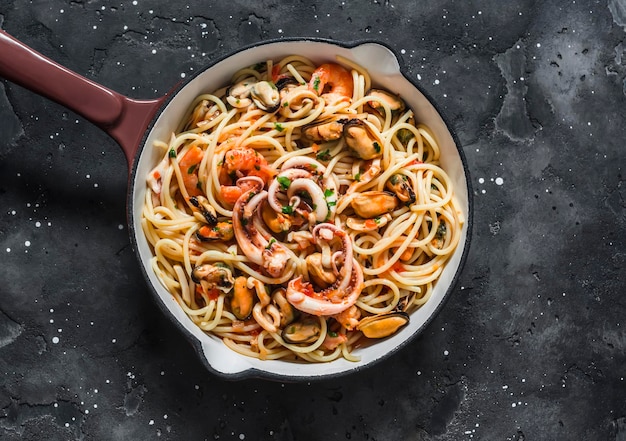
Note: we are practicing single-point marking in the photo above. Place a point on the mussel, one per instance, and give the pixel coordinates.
(220, 231)
(371, 204)
(304, 331)
(285, 83)
(321, 276)
(266, 96)
(211, 276)
(394, 102)
(327, 129)
(362, 139)
(358, 224)
(242, 301)
(238, 95)
(400, 185)
(277, 222)
(205, 208)
(287, 312)
(382, 325)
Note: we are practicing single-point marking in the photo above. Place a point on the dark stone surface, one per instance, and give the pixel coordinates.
(531, 346)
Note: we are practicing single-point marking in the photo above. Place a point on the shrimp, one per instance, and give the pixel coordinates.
(332, 82)
(189, 170)
(244, 161)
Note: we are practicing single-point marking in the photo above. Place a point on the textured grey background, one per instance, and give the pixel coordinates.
(529, 347)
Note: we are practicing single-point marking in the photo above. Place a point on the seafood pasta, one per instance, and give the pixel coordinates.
(299, 213)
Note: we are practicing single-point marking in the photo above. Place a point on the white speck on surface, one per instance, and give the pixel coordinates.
(55, 340)
(38, 224)
(481, 180)
(446, 353)
(151, 422)
(499, 181)
(27, 243)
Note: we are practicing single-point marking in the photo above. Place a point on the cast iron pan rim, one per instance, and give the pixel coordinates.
(254, 373)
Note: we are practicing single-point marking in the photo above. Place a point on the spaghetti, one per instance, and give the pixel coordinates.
(298, 213)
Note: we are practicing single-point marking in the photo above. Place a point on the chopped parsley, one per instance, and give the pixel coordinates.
(172, 153)
(377, 147)
(191, 169)
(328, 192)
(316, 84)
(269, 245)
(323, 156)
(357, 177)
(332, 334)
(287, 210)
(284, 182)
(279, 127)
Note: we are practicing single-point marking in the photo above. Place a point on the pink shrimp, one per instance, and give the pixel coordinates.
(189, 169)
(333, 82)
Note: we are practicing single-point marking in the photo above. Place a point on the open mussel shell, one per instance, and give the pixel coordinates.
(303, 331)
(383, 325)
(370, 204)
(395, 103)
(266, 96)
(324, 129)
(362, 139)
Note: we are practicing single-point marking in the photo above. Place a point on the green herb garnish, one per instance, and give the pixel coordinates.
(284, 182)
(316, 84)
(323, 156)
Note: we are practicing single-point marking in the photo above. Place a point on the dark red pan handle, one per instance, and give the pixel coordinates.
(124, 119)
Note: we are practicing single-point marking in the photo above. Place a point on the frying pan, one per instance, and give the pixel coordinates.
(137, 124)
